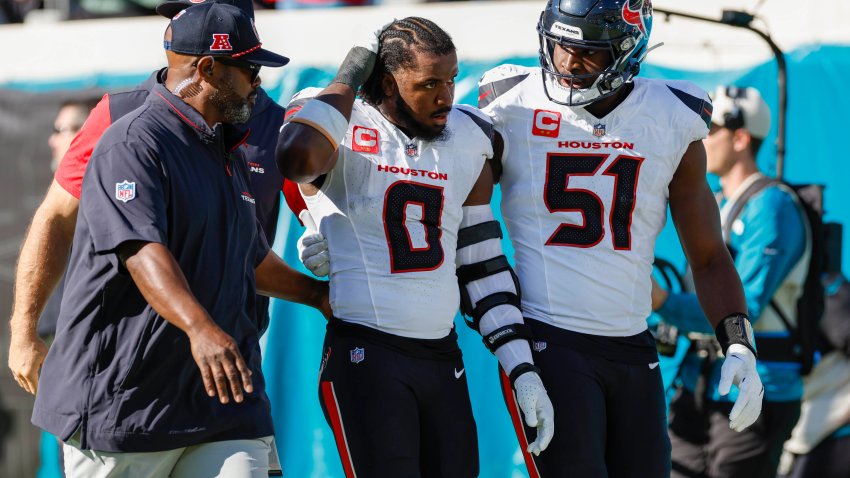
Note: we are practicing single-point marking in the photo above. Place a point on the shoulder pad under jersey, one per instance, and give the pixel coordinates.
(498, 81)
(693, 97)
(299, 100)
(482, 120)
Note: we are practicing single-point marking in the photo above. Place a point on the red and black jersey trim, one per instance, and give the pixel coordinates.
(698, 105)
(489, 92)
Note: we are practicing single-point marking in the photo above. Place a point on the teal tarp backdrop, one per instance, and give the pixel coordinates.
(294, 342)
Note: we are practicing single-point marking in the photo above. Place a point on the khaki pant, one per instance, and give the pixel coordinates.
(226, 459)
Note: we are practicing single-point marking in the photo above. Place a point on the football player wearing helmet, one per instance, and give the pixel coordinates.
(592, 157)
(398, 184)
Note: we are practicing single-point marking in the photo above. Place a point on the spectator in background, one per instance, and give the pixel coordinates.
(819, 446)
(765, 230)
(70, 118)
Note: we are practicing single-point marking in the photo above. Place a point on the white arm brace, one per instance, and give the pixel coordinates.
(514, 352)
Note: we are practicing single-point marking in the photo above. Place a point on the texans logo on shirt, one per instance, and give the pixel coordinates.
(256, 168)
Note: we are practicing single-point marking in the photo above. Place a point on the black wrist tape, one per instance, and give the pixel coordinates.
(356, 67)
(521, 369)
(736, 329)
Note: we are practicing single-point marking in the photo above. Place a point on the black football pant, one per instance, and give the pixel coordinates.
(705, 447)
(610, 413)
(398, 407)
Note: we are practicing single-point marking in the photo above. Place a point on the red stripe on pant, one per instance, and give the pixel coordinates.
(516, 419)
(329, 397)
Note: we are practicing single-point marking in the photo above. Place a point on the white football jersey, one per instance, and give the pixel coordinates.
(390, 210)
(584, 199)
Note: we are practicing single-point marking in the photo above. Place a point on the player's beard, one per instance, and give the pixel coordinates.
(233, 107)
(404, 115)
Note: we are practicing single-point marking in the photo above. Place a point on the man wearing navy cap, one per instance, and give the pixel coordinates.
(155, 370)
(45, 251)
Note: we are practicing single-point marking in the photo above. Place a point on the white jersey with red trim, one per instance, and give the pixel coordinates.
(390, 210)
(584, 199)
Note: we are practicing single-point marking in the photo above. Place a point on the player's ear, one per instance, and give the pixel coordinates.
(389, 85)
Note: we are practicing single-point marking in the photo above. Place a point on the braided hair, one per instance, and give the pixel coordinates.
(397, 43)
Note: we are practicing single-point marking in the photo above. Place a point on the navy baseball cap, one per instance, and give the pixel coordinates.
(219, 30)
(171, 8)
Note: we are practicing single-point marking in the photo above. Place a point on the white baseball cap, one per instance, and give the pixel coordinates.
(736, 107)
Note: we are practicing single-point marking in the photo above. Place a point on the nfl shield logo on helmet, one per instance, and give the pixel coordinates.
(125, 191)
(411, 149)
(358, 354)
(599, 130)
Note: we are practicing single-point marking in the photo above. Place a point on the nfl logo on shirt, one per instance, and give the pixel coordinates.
(411, 150)
(358, 354)
(599, 130)
(125, 191)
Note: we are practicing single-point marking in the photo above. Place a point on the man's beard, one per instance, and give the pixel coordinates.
(234, 108)
(404, 115)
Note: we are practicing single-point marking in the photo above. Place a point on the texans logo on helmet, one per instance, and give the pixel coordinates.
(633, 12)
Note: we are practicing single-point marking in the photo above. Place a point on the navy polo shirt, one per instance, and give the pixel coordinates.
(264, 126)
(259, 151)
(266, 180)
(117, 370)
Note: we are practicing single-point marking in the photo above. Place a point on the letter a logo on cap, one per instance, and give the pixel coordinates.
(221, 42)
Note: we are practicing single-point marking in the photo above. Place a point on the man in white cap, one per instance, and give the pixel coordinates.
(766, 231)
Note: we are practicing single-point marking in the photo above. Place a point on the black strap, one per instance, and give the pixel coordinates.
(521, 369)
(735, 329)
(754, 188)
(480, 270)
(491, 301)
(478, 233)
(508, 333)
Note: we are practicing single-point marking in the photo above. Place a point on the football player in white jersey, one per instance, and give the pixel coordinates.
(592, 157)
(398, 182)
